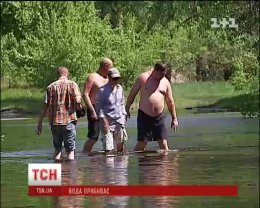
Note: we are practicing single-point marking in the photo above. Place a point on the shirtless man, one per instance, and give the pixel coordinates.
(93, 82)
(155, 89)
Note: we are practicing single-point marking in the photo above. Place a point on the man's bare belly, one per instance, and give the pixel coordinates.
(153, 105)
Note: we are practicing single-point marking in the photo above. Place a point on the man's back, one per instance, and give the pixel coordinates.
(62, 96)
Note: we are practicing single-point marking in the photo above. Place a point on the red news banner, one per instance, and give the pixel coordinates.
(175, 190)
(46, 180)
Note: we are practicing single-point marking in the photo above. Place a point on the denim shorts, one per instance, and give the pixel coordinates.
(66, 134)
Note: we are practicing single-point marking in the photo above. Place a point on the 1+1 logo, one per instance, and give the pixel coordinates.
(230, 22)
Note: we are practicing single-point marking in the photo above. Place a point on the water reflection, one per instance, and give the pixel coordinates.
(70, 177)
(99, 170)
(117, 168)
(158, 170)
(110, 171)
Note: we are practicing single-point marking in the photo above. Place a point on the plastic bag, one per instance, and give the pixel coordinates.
(124, 134)
(108, 142)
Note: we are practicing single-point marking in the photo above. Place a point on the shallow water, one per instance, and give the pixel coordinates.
(213, 149)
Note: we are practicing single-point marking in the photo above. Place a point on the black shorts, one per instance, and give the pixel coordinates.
(93, 127)
(151, 128)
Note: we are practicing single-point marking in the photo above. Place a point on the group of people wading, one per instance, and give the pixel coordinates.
(106, 110)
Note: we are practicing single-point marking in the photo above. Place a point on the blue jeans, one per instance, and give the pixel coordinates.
(66, 134)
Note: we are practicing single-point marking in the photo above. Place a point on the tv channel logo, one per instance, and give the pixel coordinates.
(44, 174)
(225, 22)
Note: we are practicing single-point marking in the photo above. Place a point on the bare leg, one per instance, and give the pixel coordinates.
(140, 145)
(119, 139)
(163, 144)
(71, 155)
(120, 147)
(57, 154)
(89, 145)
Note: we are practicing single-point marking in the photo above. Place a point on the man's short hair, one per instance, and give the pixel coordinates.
(105, 61)
(160, 66)
(62, 70)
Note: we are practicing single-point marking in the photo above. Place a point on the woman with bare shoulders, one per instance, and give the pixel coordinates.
(155, 89)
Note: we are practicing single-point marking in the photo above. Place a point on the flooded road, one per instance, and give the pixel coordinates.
(214, 149)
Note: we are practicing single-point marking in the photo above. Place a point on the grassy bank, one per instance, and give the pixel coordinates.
(28, 100)
(202, 93)
(218, 94)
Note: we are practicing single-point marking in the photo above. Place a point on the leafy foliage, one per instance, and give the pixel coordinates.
(37, 37)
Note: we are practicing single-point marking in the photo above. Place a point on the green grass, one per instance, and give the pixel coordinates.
(28, 99)
(201, 93)
(186, 95)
